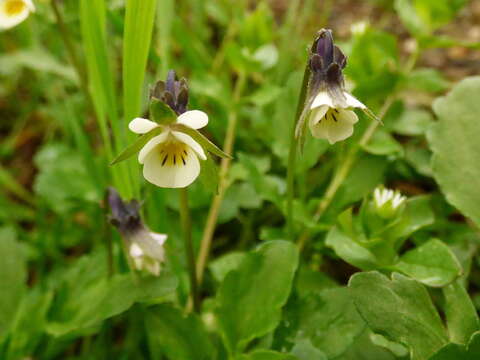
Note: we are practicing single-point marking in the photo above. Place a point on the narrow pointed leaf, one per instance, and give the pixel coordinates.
(202, 140)
(139, 20)
(136, 146)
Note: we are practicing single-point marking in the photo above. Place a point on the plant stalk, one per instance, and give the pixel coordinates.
(190, 255)
(222, 183)
(292, 153)
(343, 170)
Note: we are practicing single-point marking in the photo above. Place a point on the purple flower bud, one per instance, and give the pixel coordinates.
(145, 248)
(172, 92)
(325, 46)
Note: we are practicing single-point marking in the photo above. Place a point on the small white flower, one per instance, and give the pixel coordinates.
(171, 159)
(387, 202)
(147, 252)
(331, 121)
(13, 12)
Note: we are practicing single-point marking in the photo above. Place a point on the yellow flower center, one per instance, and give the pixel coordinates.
(14, 7)
(173, 153)
(332, 114)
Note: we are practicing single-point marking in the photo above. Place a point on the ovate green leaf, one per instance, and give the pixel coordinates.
(400, 309)
(432, 263)
(178, 336)
(456, 149)
(250, 298)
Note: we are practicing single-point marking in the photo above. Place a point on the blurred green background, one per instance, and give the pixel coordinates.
(71, 80)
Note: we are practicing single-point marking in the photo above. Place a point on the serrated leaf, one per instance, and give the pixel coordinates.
(137, 145)
(202, 140)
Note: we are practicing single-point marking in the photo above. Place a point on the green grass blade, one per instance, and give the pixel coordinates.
(139, 19)
(101, 85)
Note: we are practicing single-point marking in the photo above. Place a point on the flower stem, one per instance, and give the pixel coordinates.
(222, 181)
(187, 234)
(292, 153)
(343, 170)
(346, 165)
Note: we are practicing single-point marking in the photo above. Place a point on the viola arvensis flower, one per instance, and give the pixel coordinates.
(329, 107)
(171, 159)
(387, 202)
(171, 148)
(145, 248)
(13, 12)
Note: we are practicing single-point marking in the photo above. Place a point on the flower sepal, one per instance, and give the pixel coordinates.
(202, 140)
(137, 145)
(161, 113)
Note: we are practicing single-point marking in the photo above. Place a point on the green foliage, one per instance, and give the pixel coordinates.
(176, 335)
(139, 20)
(456, 351)
(73, 75)
(264, 276)
(58, 163)
(13, 274)
(400, 309)
(453, 142)
(85, 301)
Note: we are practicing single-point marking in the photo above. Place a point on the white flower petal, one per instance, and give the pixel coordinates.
(322, 99)
(151, 144)
(159, 238)
(353, 102)
(348, 116)
(319, 127)
(195, 119)
(142, 126)
(336, 125)
(151, 244)
(9, 20)
(317, 114)
(135, 250)
(187, 139)
(30, 5)
(152, 267)
(169, 175)
(338, 131)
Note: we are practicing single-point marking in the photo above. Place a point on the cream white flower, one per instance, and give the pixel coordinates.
(387, 202)
(144, 247)
(147, 252)
(171, 159)
(331, 121)
(13, 12)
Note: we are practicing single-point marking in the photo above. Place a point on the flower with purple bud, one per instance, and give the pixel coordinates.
(145, 248)
(329, 106)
